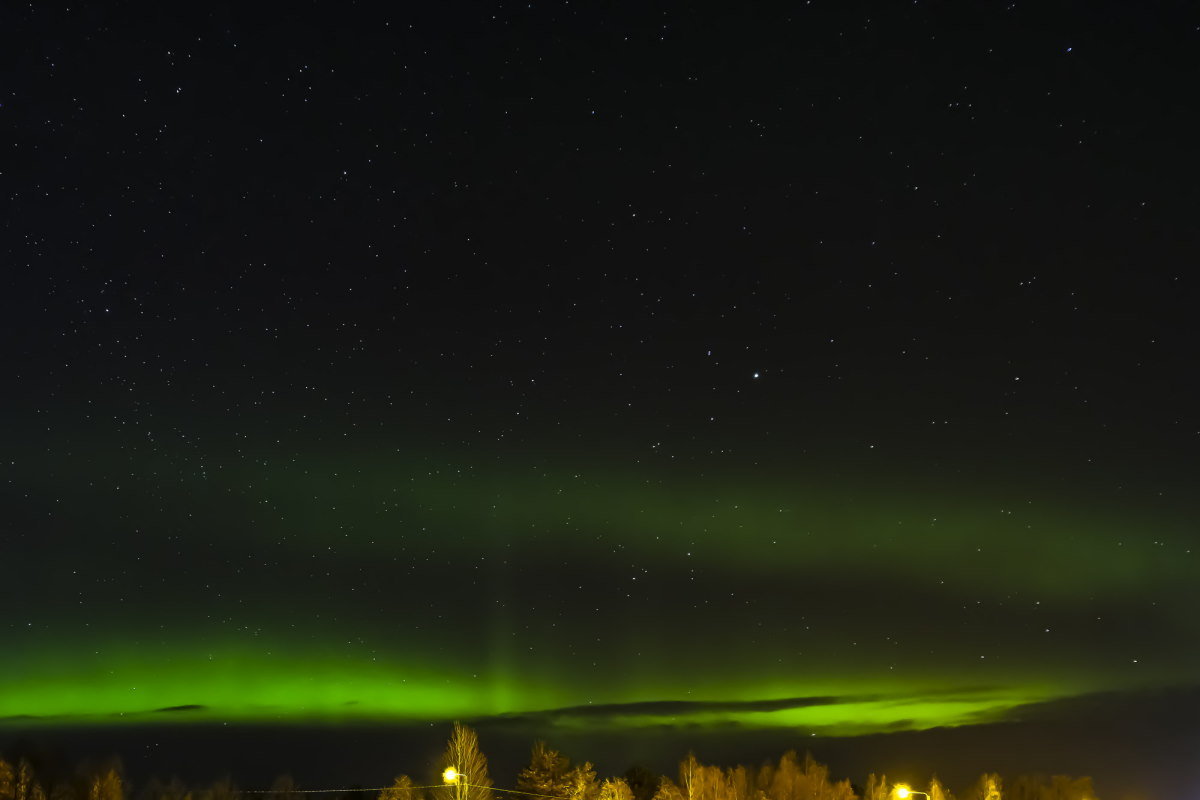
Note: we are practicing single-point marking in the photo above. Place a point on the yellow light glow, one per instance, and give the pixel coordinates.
(451, 775)
(902, 792)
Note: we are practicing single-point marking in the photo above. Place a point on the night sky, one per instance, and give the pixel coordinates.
(822, 371)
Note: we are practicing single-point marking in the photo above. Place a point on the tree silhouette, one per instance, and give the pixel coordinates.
(581, 783)
(8, 781)
(26, 785)
(739, 783)
(463, 755)
(63, 790)
(988, 787)
(642, 782)
(284, 788)
(1066, 787)
(105, 785)
(222, 789)
(615, 789)
(689, 776)
(668, 790)
(1056, 787)
(546, 773)
(551, 775)
(788, 781)
(401, 789)
(937, 791)
(175, 790)
(709, 783)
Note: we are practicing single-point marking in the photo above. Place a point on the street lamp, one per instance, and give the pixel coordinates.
(453, 776)
(903, 792)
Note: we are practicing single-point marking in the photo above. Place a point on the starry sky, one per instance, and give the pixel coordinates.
(817, 369)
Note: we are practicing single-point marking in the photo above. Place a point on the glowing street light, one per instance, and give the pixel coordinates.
(903, 792)
(458, 780)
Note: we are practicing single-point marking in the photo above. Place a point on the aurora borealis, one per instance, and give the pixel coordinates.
(805, 373)
(503, 587)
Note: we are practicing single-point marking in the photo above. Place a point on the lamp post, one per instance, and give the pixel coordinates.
(453, 776)
(903, 792)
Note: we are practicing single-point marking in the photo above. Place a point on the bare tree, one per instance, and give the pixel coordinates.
(877, 788)
(469, 780)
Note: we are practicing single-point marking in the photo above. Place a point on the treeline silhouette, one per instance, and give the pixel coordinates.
(549, 775)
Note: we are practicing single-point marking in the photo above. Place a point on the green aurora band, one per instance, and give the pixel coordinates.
(319, 594)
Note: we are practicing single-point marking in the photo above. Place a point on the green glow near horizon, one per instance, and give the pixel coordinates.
(236, 688)
(858, 718)
(407, 535)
